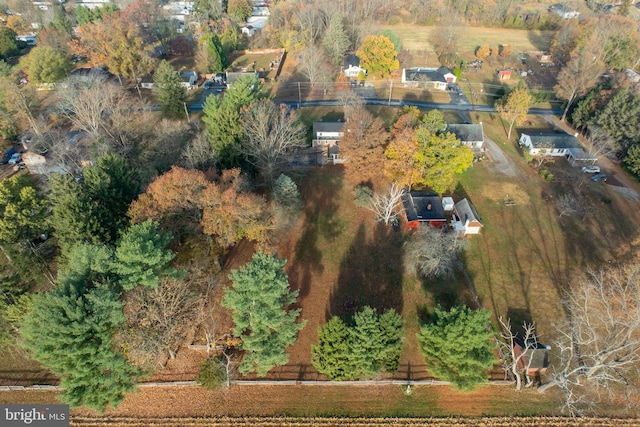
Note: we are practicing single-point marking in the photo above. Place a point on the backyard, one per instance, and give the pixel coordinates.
(340, 260)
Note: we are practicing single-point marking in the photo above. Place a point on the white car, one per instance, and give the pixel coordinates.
(15, 158)
(591, 169)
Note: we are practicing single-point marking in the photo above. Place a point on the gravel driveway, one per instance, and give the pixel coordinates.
(501, 163)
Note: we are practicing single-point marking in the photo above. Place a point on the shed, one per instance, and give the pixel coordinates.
(535, 359)
(425, 208)
(504, 74)
(578, 155)
(465, 219)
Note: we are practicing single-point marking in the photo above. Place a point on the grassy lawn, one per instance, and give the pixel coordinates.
(349, 401)
(527, 255)
(415, 38)
(340, 259)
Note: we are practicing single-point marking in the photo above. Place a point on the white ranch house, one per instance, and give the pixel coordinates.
(471, 135)
(439, 78)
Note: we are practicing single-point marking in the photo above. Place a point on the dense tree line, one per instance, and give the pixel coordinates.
(362, 346)
(610, 115)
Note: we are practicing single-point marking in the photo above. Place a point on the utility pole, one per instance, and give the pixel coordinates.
(390, 90)
(299, 97)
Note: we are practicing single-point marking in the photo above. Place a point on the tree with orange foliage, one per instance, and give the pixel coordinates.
(230, 213)
(401, 165)
(224, 209)
(119, 45)
(483, 52)
(363, 140)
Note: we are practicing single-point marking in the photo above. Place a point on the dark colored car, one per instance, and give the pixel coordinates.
(208, 85)
(599, 177)
(7, 155)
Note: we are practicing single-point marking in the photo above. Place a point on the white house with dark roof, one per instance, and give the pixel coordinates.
(352, 68)
(465, 220)
(439, 78)
(327, 135)
(471, 135)
(549, 144)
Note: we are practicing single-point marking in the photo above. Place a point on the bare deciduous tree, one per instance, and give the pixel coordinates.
(568, 204)
(270, 131)
(516, 351)
(577, 78)
(104, 110)
(433, 253)
(445, 42)
(599, 344)
(311, 61)
(199, 154)
(311, 19)
(158, 320)
(385, 205)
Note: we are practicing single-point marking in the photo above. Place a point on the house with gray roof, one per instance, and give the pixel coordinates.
(327, 135)
(471, 135)
(465, 219)
(439, 78)
(233, 76)
(549, 144)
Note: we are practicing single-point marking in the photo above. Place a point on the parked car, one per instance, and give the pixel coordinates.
(599, 177)
(15, 158)
(208, 85)
(591, 169)
(7, 155)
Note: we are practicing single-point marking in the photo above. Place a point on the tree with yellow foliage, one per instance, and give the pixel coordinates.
(514, 108)
(378, 56)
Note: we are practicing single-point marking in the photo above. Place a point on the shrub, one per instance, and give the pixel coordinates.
(546, 175)
(362, 195)
(285, 192)
(211, 375)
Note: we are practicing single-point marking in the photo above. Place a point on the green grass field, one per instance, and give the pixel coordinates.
(415, 38)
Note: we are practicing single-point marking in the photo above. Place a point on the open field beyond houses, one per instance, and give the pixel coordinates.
(415, 38)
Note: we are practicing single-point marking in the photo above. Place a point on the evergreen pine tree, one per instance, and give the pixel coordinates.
(169, 91)
(335, 41)
(141, 257)
(367, 346)
(457, 347)
(259, 301)
(70, 328)
(391, 333)
(223, 122)
(285, 192)
(331, 356)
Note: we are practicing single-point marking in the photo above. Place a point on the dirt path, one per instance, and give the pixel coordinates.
(501, 163)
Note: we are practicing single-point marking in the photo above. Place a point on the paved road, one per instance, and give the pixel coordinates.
(402, 103)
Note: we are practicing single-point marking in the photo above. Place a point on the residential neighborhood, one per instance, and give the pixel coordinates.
(319, 213)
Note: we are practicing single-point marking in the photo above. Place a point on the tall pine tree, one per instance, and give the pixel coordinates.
(169, 91)
(223, 120)
(259, 301)
(371, 344)
(331, 356)
(70, 328)
(457, 347)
